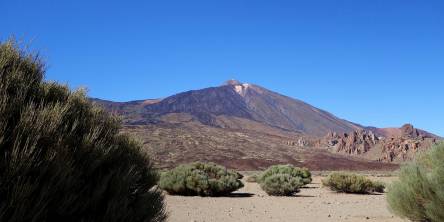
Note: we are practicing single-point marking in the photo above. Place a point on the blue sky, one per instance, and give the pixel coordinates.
(374, 62)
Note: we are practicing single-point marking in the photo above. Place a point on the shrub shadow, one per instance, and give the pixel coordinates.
(311, 187)
(357, 194)
(298, 195)
(238, 195)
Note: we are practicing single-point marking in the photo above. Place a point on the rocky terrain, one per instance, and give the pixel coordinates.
(397, 147)
(247, 127)
(172, 144)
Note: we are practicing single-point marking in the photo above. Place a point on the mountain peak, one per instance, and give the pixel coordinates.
(233, 82)
(239, 87)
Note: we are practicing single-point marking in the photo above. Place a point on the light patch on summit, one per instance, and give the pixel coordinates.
(241, 89)
(232, 82)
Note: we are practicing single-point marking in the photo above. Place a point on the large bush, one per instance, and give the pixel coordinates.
(61, 157)
(203, 179)
(284, 180)
(419, 193)
(352, 183)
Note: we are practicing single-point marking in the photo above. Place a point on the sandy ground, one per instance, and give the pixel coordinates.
(314, 203)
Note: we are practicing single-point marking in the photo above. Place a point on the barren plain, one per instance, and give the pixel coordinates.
(313, 204)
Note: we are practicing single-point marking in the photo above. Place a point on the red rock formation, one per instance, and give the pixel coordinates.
(401, 147)
(357, 142)
(408, 131)
(404, 148)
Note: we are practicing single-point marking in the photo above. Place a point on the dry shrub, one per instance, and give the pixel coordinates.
(202, 179)
(284, 180)
(352, 183)
(61, 157)
(419, 193)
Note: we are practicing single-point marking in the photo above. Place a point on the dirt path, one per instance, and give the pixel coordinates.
(252, 204)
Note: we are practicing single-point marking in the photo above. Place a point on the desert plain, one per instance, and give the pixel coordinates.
(313, 203)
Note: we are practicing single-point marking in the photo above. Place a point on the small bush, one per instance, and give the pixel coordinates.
(281, 184)
(352, 183)
(419, 193)
(61, 157)
(200, 179)
(303, 173)
(284, 180)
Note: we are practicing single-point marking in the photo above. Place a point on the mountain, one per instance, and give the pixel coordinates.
(220, 106)
(248, 127)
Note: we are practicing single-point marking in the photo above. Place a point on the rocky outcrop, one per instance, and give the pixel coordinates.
(408, 131)
(406, 146)
(356, 142)
(397, 148)
(301, 142)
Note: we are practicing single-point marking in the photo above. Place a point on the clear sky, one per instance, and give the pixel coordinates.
(374, 62)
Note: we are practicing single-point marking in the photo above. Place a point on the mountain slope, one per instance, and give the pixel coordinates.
(170, 144)
(237, 100)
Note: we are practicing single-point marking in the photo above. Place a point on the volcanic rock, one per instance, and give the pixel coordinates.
(356, 142)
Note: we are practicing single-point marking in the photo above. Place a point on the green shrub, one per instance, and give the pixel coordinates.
(352, 183)
(283, 180)
(61, 157)
(303, 173)
(281, 184)
(419, 193)
(203, 179)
